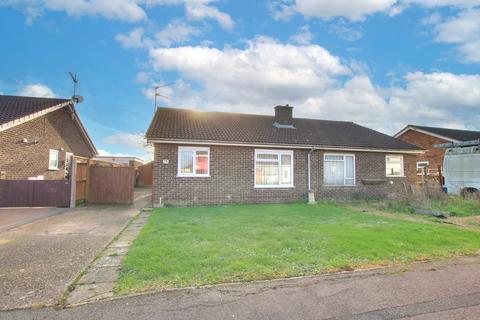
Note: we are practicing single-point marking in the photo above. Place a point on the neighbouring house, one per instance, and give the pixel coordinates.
(39, 136)
(218, 158)
(430, 163)
(123, 160)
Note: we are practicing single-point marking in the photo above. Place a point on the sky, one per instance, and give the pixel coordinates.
(381, 63)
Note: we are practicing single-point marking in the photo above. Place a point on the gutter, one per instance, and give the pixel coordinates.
(311, 194)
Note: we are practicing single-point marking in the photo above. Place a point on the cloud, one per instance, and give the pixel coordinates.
(175, 32)
(343, 31)
(36, 90)
(303, 37)
(135, 143)
(352, 10)
(133, 39)
(124, 10)
(201, 11)
(282, 10)
(265, 73)
(462, 30)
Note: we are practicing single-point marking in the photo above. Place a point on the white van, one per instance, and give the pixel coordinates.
(461, 167)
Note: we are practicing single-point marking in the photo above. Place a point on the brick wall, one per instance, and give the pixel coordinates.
(55, 130)
(232, 178)
(433, 155)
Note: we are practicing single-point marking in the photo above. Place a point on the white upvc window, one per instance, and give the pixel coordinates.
(273, 168)
(193, 162)
(339, 169)
(53, 159)
(394, 166)
(422, 168)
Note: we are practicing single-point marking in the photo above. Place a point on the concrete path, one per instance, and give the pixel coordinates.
(38, 261)
(440, 290)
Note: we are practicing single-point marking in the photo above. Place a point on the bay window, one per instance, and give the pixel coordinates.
(273, 169)
(394, 165)
(193, 162)
(339, 170)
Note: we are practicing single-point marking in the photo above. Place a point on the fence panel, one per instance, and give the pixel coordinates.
(111, 185)
(34, 193)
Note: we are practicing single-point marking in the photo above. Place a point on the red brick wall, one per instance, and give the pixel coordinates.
(232, 178)
(55, 130)
(433, 155)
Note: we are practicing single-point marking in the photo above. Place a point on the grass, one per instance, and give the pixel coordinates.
(182, 247)
(449, 205)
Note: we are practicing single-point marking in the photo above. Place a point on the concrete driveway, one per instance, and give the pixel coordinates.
(39, 260)
(15, 217)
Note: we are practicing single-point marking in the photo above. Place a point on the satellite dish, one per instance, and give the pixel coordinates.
(77, 99)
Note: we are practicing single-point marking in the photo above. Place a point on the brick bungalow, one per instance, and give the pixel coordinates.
(218, 158)
(426, 138)
(38, 136)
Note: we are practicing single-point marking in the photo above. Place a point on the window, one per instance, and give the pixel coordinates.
(422, 168)
(339, 170)
(53, 160)
(394, 166)
(273, 169)
(193, 162)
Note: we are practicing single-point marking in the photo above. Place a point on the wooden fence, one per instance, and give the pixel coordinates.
(111, 184)
(103, 182)
(35, 193)
(145, 175)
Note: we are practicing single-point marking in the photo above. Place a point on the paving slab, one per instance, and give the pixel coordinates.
(100, 275)
(108, 261)
(91, 292)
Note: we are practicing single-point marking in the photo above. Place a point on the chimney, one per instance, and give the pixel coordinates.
(283, 115)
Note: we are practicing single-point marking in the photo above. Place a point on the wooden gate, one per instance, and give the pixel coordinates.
(111, 184)
(35, 193)
(145, 175)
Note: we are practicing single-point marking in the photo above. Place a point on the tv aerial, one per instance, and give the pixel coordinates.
(160, 95)
(76, 98)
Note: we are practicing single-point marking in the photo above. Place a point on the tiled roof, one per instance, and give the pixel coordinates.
(460, 135)
(15, 107)
(183, 124)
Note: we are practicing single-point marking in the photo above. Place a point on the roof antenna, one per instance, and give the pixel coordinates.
(160, 95)
(76, 98)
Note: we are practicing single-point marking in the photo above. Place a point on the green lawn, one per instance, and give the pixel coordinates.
(206, 245)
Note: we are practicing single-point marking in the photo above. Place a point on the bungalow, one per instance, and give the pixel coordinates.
(38, 137)
(218, 158)
(431, 162)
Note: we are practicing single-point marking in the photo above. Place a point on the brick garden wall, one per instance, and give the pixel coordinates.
(232, 178)
(55, 130)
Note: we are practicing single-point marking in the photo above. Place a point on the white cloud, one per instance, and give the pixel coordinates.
(353, 10)
(200, 11)
(343, 31)
(265, 73)
(135, 143)
(281, 10)
(133, 39)
(36, 90)
(463, 30)
(125, 10)
(175, 32)
(303, 36)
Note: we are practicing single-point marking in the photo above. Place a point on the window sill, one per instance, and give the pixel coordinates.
(193, 176)
(396, 176)
(340, 186)
(274, 187)
(53, 169)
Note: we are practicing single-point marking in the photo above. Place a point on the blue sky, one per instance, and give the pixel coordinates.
(381, 63)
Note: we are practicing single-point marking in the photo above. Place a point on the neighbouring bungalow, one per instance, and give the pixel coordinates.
(219, 158)
(39, 136)
(430, 163)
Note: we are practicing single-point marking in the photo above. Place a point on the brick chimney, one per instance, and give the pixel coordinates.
(283, 115)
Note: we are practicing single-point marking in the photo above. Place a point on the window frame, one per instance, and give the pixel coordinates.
(344, 170)
(402, 173)
(50, 158)
(424, 162)
(279, 153)
(193, 174)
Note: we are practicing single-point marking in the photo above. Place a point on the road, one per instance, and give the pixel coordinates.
(439, 290)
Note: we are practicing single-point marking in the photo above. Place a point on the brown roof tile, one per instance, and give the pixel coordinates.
(183, 124)
(15, 107)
